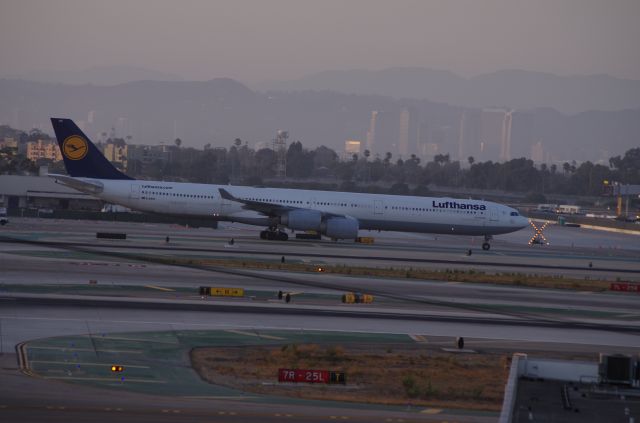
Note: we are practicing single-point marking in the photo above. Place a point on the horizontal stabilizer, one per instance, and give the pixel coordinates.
(89, 187)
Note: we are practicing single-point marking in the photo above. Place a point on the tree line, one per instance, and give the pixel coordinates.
(323, 168)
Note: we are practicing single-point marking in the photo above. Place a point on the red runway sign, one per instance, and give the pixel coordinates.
(624, 287)
(303, 376)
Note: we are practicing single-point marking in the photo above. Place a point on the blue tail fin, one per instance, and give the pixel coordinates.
(81, 157)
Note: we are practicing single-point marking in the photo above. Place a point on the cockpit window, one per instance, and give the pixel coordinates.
(514, 214)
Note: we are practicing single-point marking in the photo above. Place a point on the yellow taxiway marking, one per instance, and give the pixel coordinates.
(36, 347)
(159, 288)
(105, 379)
(240, 332)
(431, 411)
(419, 338)
(86, 364)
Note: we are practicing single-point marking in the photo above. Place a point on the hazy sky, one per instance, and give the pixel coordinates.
(281, 39)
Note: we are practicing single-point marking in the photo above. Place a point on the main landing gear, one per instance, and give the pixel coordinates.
(485, 244)
(274, 235)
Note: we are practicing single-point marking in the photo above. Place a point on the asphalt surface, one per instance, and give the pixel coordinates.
(426, 308)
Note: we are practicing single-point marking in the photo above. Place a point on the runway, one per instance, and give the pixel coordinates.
(45, 291)
(54, 266)
(574, 252)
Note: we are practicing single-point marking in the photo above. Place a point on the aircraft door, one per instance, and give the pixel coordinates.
(135, 191)
(378, 207)
(493, 216)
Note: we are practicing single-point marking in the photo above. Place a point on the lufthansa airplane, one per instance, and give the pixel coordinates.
(337, 215)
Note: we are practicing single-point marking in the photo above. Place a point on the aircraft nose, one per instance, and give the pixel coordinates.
(523, 222)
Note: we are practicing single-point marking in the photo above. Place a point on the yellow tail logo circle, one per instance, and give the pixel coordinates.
(75, 147)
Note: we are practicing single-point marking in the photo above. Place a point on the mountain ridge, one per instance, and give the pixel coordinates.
(512, 88)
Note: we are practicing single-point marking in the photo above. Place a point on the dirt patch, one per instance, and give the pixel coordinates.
(449, 275)
(401, 375)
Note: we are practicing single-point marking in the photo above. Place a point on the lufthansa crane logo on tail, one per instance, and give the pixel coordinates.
(75, 147)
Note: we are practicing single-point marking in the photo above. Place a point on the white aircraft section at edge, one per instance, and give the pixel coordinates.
(338, 215)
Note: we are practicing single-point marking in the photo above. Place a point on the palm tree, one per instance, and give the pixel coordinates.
(387, 157)
(471, 160)
(178, 142)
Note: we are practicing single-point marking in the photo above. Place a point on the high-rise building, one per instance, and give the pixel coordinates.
(469, 135)
(523, 133)
(121, 127)
(422, 138)
(505, 141)
(403, 138)
(495, 134)
(537, 152)
(371, 133)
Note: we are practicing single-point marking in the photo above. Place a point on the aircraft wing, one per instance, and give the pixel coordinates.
(265, 208)
(268, 209)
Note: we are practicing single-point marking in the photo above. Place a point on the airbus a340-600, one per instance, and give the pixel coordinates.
(337, 215)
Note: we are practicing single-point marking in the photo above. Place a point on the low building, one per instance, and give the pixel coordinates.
(148, 154)
(43, 149)
(116, 152)
(351, 147)
(41, 192)
(562, 391)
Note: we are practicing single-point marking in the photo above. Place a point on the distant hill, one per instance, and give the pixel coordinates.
(508, 88)
(218, 111)
(101, 75)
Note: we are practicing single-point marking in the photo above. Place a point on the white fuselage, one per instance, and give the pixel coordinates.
(373, 211)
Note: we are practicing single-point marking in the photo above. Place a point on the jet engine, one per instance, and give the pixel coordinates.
(302, 220)
(340, 227)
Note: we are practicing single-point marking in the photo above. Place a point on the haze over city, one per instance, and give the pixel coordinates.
(566, 75)
(254, 41)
